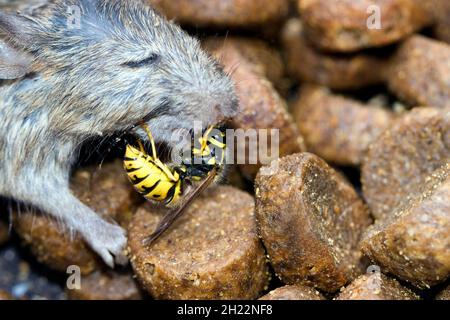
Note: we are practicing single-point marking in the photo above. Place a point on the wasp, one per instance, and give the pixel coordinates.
(156, 181)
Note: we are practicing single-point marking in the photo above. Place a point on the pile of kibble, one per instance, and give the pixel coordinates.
(347, 97)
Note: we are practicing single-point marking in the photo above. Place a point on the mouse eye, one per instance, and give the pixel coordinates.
(153, 58)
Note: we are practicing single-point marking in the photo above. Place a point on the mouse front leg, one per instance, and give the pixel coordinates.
(106, 239)
(48, 190)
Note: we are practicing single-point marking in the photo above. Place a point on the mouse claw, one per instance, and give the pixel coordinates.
(121, 259)
(109, 243)
(107, 258)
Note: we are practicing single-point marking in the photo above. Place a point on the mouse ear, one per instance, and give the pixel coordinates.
(16, 43)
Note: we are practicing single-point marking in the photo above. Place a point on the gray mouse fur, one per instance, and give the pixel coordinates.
(65, 85)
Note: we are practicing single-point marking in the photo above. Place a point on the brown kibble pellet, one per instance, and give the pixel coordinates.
(107, 191)
(293, 292)
(413, 242)
(442, 27)
(376, 286)
(310, 220)
(265, 59)
(337, 128)
(340, 72)
(401, 159)
(52, 245)
(444, 294)
(261, 107)
(219, 13)
(343, 25)
(108, 285)
(420, 72)
(211, 252)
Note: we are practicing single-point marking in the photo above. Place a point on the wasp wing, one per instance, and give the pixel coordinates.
(170, 217)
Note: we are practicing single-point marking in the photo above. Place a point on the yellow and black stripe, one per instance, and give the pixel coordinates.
(149, 179)
(204, 154)
(157, 181)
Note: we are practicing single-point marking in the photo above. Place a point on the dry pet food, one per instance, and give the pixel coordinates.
(340, 72)
(401, 160)
(444, 294)
(337, 128)
(310, 220)
(343, 25)
(219, 13)
(413, 242)
(293, 292)
(109, 285)
(341, 149)
(442, 27)
(264, 58)
(211, 252)
(420, 72)
(376, 286)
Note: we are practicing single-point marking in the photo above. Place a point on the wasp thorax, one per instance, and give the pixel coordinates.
(158, 181)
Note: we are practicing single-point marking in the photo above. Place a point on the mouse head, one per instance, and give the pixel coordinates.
(107, 64)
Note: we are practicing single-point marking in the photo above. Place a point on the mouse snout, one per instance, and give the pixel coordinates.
(234, 106)
(216, 108)
(228, 109)
(223, 112)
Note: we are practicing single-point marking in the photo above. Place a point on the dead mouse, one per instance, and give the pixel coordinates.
(76, 69)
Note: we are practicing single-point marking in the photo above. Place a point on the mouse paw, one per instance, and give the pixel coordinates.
(109, 241)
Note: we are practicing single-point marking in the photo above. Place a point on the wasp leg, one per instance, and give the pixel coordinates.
(158, 162)
(165, 169)
(205, 137)
(152, 141)
(141, 146)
